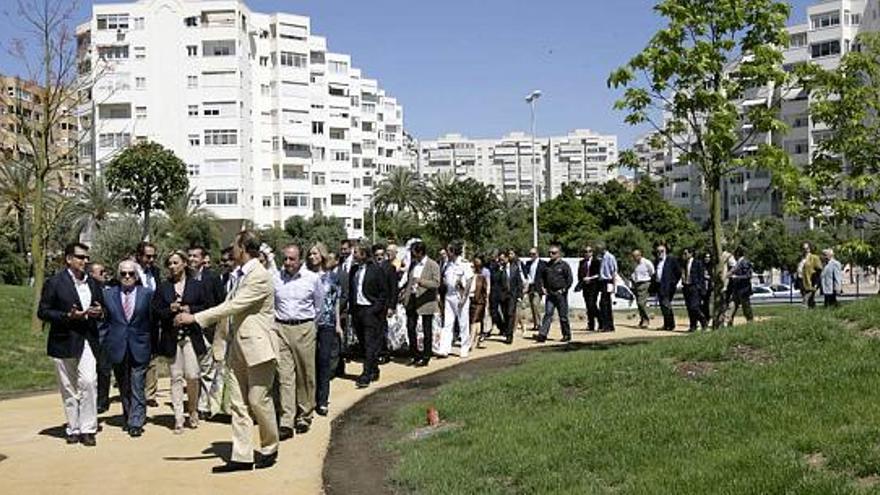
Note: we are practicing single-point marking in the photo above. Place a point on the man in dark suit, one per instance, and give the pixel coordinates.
(128, 326)
(588, 283)
(72, 304)
(367, 297)
(694, 288)
(210, 375)
(98, 273)
(534, 274)
(510, 291)
(343, 271)
(494, 297)
(420, 300)
(390, 273)
(149, 276)
(668, 273)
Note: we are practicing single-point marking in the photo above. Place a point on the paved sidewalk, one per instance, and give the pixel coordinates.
(34, 458)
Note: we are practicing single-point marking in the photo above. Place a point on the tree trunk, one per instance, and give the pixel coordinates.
(22, 231)
(146, 232)
(718, 306)
(37, 253)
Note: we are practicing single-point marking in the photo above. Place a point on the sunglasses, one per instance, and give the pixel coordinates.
(150, 256)
(83, 257)
(125, 274)
(554, 252)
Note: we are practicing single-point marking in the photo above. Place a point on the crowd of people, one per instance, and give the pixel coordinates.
(263, 343)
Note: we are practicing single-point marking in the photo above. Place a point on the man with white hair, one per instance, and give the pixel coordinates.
(128, 326)
(832, 278)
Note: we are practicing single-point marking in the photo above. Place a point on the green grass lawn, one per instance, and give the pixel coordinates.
(787, 405)
(23, 361)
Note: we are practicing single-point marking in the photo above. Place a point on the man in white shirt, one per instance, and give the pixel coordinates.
(641, 280)
(458, 278)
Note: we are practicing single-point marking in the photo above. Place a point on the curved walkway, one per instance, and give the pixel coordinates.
(34, 458)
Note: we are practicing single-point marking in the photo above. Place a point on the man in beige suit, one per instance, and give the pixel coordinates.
(420, 300)
(250, 312)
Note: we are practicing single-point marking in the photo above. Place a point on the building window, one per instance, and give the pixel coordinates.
(341, 156)
(140, 82)
(264, 61)
(319, 178)
(825, 49)
(825, 20)
(296, 200)
(192, 82)
(317, 128)
(192, 50)
(113, 52)
(336, 67)
(856, 19)
(192, 169)
(292, 59)
(194, 140)
(192, 21)
(337, 133)
(114, 140)
(221, 137)
(267, 201)
(140, 52)
(221, 197)
(138, 22)
(338, 200)
(798, 40)
(112, 21)
(358, 223)
(192, 110)
(218, 48)
(140, 112)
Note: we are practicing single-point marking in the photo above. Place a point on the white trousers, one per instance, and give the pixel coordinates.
(78, 383)
(211, 382)
(451, 314)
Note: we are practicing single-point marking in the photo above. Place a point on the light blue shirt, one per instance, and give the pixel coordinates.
(609, 267)
(298, 296)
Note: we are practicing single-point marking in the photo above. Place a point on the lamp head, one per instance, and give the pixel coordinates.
(534, 95)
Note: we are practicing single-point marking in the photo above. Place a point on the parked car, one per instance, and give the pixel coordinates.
(783, 291)
(761, 292)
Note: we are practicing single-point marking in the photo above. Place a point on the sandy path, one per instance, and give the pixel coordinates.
(38, 461)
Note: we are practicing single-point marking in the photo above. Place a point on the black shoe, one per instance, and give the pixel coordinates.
(103, 409)
(414, 361)
(204, 416)
(540, 338)
(88, 439)
(322, 410)
(383, 359)
(135, 431)
(421, 363)
(266, 461)
(508, 340)
(285, 433)
(566, 338)
(375, 376)
(72, 438)
(362, 382)
(152, 403)
(302, 428)
(233, 466)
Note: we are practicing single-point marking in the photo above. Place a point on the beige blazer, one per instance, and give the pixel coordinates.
(251, 307)
(426, 289)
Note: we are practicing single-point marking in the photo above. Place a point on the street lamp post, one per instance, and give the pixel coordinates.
(531, 99)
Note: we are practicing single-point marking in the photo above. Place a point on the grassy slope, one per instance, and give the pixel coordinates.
(23, 361)
(624, 421)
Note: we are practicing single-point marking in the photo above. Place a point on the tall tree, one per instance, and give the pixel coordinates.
(187, 222)
(149, 177)
(93, 204)
(16, 196)
(463, 210)
(44, 44)
(843, 178)
(400, 190)
(695, 73)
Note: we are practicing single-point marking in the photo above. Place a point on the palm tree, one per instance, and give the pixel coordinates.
(93, 204)
(400, 190)
(16, 193)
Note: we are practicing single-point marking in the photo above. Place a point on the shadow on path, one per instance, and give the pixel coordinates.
(358, 460)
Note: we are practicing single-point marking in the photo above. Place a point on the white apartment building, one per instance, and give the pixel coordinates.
(827, 35)
(269, 121)
(505, 163)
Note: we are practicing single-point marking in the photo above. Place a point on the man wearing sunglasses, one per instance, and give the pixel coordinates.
(72, 304)
(557, 278)
(148, 274)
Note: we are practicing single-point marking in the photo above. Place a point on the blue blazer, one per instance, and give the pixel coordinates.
(123, 336)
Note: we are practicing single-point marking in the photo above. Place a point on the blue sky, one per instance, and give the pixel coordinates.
(466, 65)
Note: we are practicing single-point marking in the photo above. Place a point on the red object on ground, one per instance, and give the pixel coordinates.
(433, 416)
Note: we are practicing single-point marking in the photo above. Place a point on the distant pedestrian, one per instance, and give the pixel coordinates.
(809, 274)
(556, 281)
(419, 299)
(607, 287)
(533, 269)
(643, 273)
(329, 337)
(739, 286)
(668, 273)
(832, 279)
(588, 284)
(693, 284)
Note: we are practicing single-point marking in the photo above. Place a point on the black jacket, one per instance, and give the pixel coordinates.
(67, 337)
(557, 276)
(697, 276)
(214, 287)
(508, 288)
(591, 270)
(669, 277)
(391, 281)
(375, 288)
(539, 274)
(165, 339)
